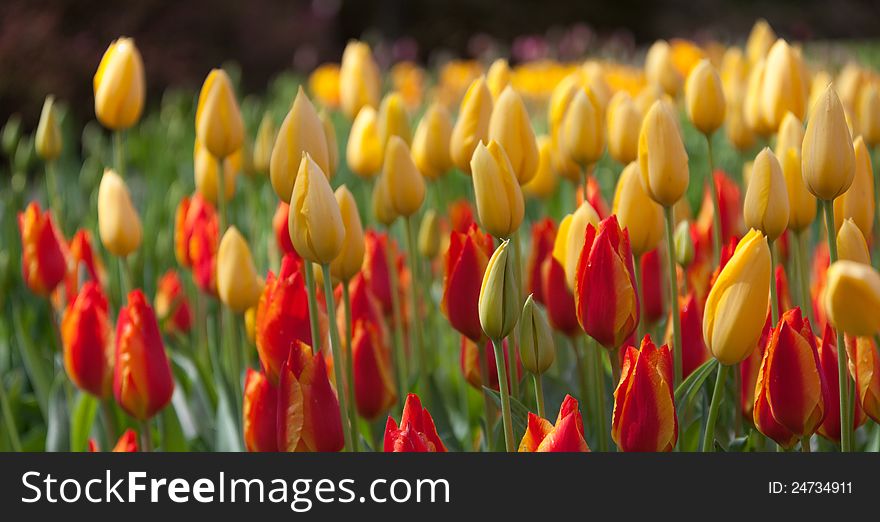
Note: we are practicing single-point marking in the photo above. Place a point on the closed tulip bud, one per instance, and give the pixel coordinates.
(363, 153)
(196, 238)
(684, 244)
(790, 135)
(315, 221)
(207, 173)
(118, 223)
(543, 184)
(10, 136)
(360, 84)
(766, 203)
(583, 130)
(857, 202)
(383, 209)
(802, 204)
(869, 113)
(349, 261)
(565, 436)
(852, 298)
(499, 198)
(736, 307)
(393, 120)
(142, 380)
(734, 73)
(416, 431)
(218, 119)
(864, 366)
(87, 339)
(784, 88)
(47, 140)
(570, 240)
(753, 107)
(739, 133)
(259, 412)
(84, 264)
(851, 245)
(499, 303)
(472, 126)
(637, 213)
(404, 183)
(849, 83)
(250, 324)
(465, 264)
(263, 144)
(119, 85)
(172, 305)
(704, 98)
(760, 40)
(662, 159)
(511, 128)
(624, 122)
(536, 346)
(308, 410)
(644, 417)
(498, 77)
(301, 132)
(238, 284)
(374, 390)
(827, 155)
(43, 261)
(430, 146)
(821, 80)
(660, 68)
(830, 427)
(332, 143)
(429, 234)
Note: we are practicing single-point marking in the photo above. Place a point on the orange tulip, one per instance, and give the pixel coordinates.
(469, 360)
(259, 410)
(466, 262)
(85, 265)
(196, 240)
(88, 341)
(566, 435)
(830, 427)
(43, 262)
(172, 305)
(416, 432)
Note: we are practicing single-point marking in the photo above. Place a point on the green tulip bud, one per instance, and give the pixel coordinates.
(536, 346)
(684, 245)
(499, 304)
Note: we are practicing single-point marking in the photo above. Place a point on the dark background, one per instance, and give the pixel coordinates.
(55, 46)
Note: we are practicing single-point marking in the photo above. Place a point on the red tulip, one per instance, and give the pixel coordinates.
(43, 262)
(374, 390)
(469, 359)
(461, 215)
(416, 432)
(142, 380)
(376, 270)
(196, 240)
(567, 435)
(543, 236)
(84, 263)
(88, 341)
(749, 370)
(821, 261)
(172, 305)
(731, 211)
(260, 412)
(693, 348)
(594, 197)
(127, 443)
(466, 262)
(830, 427)
(282, 230)
(558, 298)
(651, 287)
(644, 417)
(864, 366)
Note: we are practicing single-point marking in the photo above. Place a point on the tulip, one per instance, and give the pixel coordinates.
(851, 245)
(416, 432)
(662, 159)
(558, 298)
(830, 427)
(543, 184)
(499, 300)
(784, 88)
(693, 350)
(637, 212)
(218, 119)
(43, 261)
(852, 298)
(118, 223)
(196, 238)
(282, 230)
(374, 389)
(660, 69)
(869, 113)
(734, 73)
(472, 126)
(605, 293)
(766, 203)
(510, 127)
(85, 265)
(566, 435)
(265, 140)
(736, 307)
(142, 380)
(496, 190)
(704, 98)
(583, 131)
(315, 221)
(87, 340)
(238, 284)
(127, 443)
(383, 208)
(753, 102)
(259, 412)
(47, 140)
(543, 237)
(858, 201)
(498, 77)
(392, 120)
(376, 269)
(760, 40)
(536, 339)
(738, 131)
(430, 146)
(402, 179)
(684, 245)
(802, 204)
(119, 85)
(207, 175)
(363, 153)
(827, 155)
(308, 410)
(429, 235)
(570, 240)
(301, 132)
(349, 261)
(461, 215)
(359, 81)
(172, 305)
(623, 123)
(332, 143)
(864, 365)
(790, 135)
(644, 417)
(471, 356)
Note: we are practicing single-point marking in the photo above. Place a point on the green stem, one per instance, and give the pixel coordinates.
(673, 296)
(774, 298)
(737, 393)
(399, 349)
(109, 420)
(9, 419)
(539, 394)
(583, 372)
(599, 391)
(614, 359)
(802, 258)
(119, 152)
(313, 306)
(488, 411)
(335, 349)
(717, 397)
(146, 436)
(415, 310)
(124, 279)
(513, 341)
(55, 202)
(349, 367)
(505, 396)
(716, 210)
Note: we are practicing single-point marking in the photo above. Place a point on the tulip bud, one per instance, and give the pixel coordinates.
(583, 131)
(543, 184)
(10, 136)
(852, 298)
(644, 417)
(566, 435)
(766, 203)
(119, 85)
(360, 84)
(790, 135)
(662, 159)
(48, 141)
(429, 234)
(301, 132)
(88, 341)
(858, 201)
(869, 113)
(472, 126)
(430, 146)
(624, 121)
(205, 168)
(196, 237)
(374, 390)
(739, 133)
(172, 305)
(734, 73)
(43, 261)
(403, 181)
(499, 302)
(736, 308)
(660, 68)
(637, 213)
(315, 221)
(263, 144)
(416, 432)
(349, 261)
(363, 153)
(392, 120)
(760, 39)
(536, 339)
(752, 103)
(465, 264)
(332, 143)
(704, 98)
(238, 284)
(511, 128)
(570, 239)
(218, 119)
(802, 204)
(684, 245)
(827, 155)
(282, 230)
(118, 223)
(499, 198)
(498, 77)
(142, 380)
(383, 209)
(851, 245)
(830, 427)
(784, 88)
(259, 412)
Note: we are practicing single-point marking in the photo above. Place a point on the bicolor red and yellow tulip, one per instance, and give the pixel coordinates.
(172, 304)
(466, 262)
(260, 412)
(43, 260)
(830, 427)
(196, 240)
(566, 435)
(416, 432)
(87, 337)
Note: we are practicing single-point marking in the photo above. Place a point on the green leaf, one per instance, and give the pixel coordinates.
(518, 412)
(84, 414)
(34, 362)
(173, 438)
(687, 390)
(227, 436)
(58, 426)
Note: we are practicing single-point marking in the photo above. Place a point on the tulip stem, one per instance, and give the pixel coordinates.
(774, 298)
(335, 349)
(313, 306)
(484, 379)
(9, 419)
(124, 279)
(349, 367)
(397, 326)
(673, 296)
(109, 420)
(737, 393)
(513, 344)
(805, 444)
(802, 258)
(717, 397)
(146, 436)
(599, 390)
(539, 394)
(614, 359)
(716, 206)
(415, 309)
(582, 370)
(55, 203)
(119, 152)
(505, 396)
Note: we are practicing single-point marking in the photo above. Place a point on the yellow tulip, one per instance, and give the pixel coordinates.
(430, 147)
(47, 140)
(118, 222)
(660, 68)
(593, 81)
(499, 304)
(858, 201)
(315, 220)
(238, 285)
(650, 94)
(332, 143)
(752, 103)
(790, 135)
(497, 193)
(393, 120)
(663, 162)
(869, 114)
(119, 85)
(300, 132)
(404, 183)
(381, 203)
(784, 88)
(348, 263)
(560, 98)
(739, 133)
(827, 155)
(206, 173)
(849, 84)
(637, 212)
(218, 119)
(250, 324)
(852, 298)
(736, 308)
(359, 81)
(570, 239)
(263, 144)
(583, 131)
(802, 204)
(760, 39)
(851, 244)
(734, 73)
(498, 77)
(363, 153)
(766, 203)
(429, 234)
(511, 128)
(623, 123)
(543, 184)
(704, 98)
(472, 126)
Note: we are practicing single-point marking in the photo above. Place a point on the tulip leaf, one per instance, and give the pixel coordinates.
(227, 438)
(173, 438)
(81, 422)
(687, 390)
(58, 427)
(34, 363)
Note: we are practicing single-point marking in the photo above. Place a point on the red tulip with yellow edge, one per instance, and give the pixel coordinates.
(260, 412)
(172, 304)
(469, 361)
(127, 443)
(196, 240)
(87, 339)
(651, 286)
(416, 432)
(85, 265)
(43, 260)
(374, 389)
(466, 262)
(830, 427)
(282, 230)
(543, 238)
(566, 435)
(864, 366)
(693, 349)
